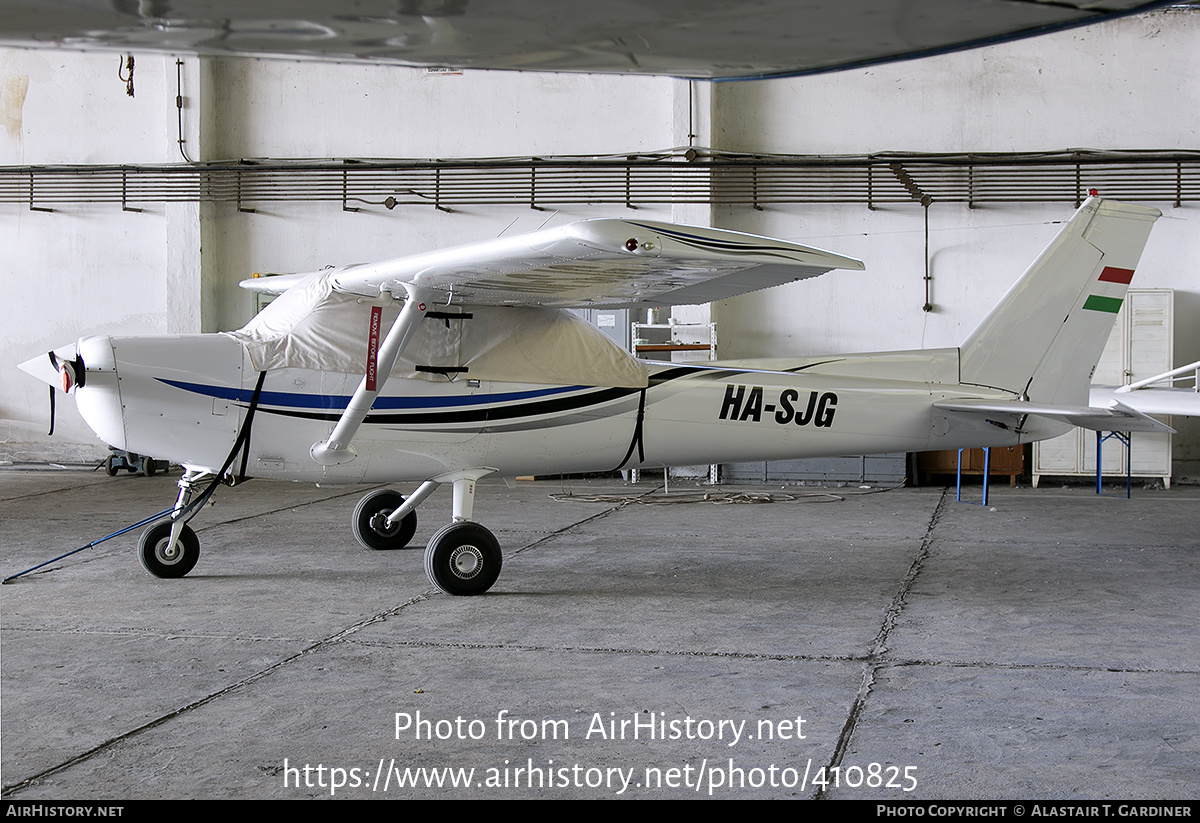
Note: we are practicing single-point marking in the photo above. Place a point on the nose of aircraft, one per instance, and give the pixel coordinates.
(88, 368)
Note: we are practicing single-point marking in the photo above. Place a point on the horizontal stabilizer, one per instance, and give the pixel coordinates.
(1115, 417)
(1184, 402)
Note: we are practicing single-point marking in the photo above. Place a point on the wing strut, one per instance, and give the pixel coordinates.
(337, 447)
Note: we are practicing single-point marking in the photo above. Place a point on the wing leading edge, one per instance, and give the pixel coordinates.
(603, 263)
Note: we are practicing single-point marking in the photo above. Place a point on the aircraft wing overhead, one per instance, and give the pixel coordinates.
(599, 264)
(698, 38)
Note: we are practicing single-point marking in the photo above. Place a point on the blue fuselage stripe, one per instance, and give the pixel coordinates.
(298, 400)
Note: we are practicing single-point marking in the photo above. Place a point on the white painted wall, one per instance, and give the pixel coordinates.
(81, 270)
(277, 109)
(1128, 83)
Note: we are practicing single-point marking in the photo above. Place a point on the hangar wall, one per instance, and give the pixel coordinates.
(1125, 84)
(85, 269)
(1128, 84)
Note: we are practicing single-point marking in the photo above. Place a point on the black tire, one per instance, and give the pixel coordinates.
(148, 467)
(152, 547)
(463, 559)
(370, 528)
(110, 466)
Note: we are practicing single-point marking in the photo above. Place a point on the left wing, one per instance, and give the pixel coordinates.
(273, 283)
(593, 264)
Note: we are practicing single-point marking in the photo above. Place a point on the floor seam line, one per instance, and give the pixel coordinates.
(875, 656)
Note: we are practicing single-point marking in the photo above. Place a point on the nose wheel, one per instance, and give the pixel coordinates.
(162, 559)
(463, 559)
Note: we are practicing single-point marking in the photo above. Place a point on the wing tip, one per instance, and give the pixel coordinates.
(271, 283)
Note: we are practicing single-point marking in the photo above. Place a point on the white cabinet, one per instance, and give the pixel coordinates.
(675, 342)
(1141, 346)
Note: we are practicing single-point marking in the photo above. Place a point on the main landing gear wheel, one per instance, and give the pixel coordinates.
(159, 560)
(370, 521)
(463, 559)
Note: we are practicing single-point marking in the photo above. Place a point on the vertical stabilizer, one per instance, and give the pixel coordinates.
(1044, 338)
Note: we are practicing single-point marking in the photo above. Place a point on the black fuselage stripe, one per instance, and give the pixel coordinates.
(556, 405)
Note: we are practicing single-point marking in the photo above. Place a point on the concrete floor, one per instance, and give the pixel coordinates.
(1045, 647)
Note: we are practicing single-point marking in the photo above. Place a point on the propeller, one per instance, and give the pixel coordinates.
(62, 369)
(54, 363)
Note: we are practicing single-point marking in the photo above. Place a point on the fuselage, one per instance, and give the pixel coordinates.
(185, 398)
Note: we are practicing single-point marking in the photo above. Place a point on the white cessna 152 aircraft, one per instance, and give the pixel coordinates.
(455, 365)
